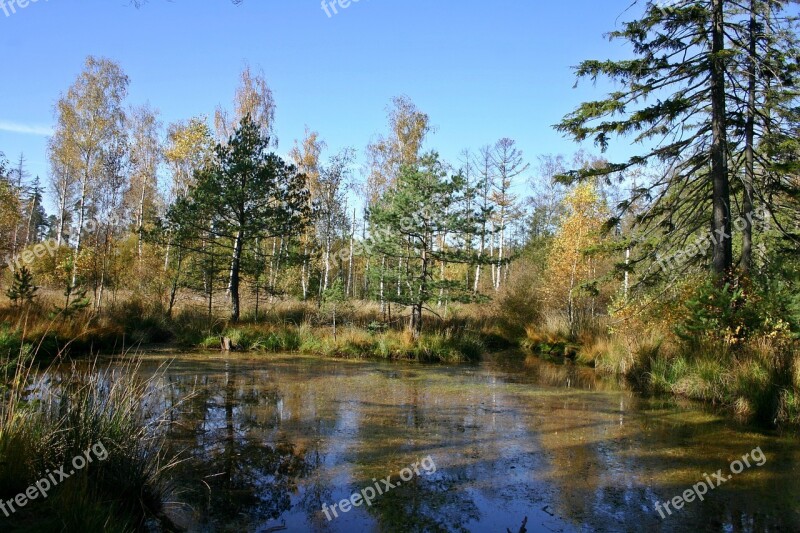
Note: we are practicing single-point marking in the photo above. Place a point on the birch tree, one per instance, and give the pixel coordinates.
(332, 216)
(253, 98)
(306, 157)
(89, 117)
(146, 153)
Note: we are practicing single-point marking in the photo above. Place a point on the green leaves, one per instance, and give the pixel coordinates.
(244, 194)
(22, 290)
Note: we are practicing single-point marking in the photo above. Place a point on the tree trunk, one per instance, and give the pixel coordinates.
(82, 210)
(62, 211)
(140, 216)
(480, 258)
(422, 296)
(442, 271)
(234, 283)
(350, 259)
(501, 248)
(491, 255)
(327, 263)
(721, 224)
(270, 283)
(104, 266)
(31, 208)
(173, 293)
(749, 178)
(382, 285)
(304, 273)
(627, 275)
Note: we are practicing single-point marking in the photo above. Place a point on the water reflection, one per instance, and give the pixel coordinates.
(268, 441)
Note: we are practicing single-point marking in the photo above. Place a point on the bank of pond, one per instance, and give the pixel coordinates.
(208, 441)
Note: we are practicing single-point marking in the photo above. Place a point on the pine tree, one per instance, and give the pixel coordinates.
(406, 225)
(22, 290)
(245, 195)
(676, 97)
(37, 221)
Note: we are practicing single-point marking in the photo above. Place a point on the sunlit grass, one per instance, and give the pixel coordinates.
(44, 423)
(447, 346)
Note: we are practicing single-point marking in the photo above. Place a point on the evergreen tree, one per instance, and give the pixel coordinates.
(678, 96)
(247, 194)
(22, 290)
(406, 225)
(37, 220)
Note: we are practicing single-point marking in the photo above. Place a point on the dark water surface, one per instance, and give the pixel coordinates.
(270, 439)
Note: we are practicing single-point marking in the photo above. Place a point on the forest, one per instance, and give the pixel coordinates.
(674, 272)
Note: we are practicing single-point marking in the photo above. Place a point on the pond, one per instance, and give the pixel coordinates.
(272, 443)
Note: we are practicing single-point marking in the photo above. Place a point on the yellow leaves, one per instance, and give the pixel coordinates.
(306, 158)
(584, 203)
(408, 127)
(254, 98)
(190, 147)
(9, 215)
(568, 265)
(187, 139)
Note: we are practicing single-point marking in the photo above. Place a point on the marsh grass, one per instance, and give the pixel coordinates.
(46, 419)
(449, 346)
(453, 333)
(757, 379)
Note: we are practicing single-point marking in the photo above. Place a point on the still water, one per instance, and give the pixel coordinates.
(269, 440)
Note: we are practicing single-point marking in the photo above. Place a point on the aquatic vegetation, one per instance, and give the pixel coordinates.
(45, 423)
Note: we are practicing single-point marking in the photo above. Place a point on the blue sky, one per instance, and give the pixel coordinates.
(481, 69)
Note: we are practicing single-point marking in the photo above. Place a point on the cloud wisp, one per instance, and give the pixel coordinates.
(26, 129)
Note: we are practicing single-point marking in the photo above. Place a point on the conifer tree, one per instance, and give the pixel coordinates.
(406, 225)
(22, 290)
(680, 97)
(246, 194)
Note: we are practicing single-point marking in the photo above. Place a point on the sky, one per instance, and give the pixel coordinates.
(482, 70)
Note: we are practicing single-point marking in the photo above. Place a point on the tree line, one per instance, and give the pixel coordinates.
(201, 210)
(205, 207)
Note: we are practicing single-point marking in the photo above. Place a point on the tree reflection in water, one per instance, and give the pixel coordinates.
(266, 442)
(237, 464)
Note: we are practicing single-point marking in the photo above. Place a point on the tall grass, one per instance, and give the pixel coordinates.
(757, 379)
(48, 419)
(449, 346)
